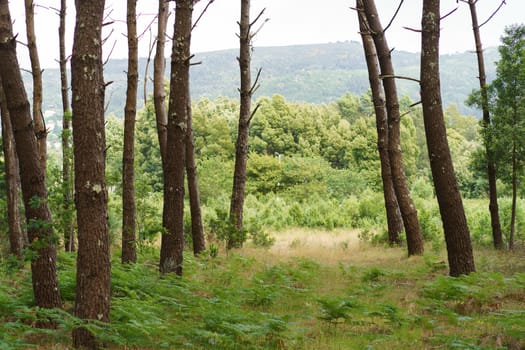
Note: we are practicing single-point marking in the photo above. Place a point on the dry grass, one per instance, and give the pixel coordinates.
(329, 248)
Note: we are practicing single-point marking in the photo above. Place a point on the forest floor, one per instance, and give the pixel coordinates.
(310, 290)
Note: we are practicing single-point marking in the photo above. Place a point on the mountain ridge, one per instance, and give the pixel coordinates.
(312, 73)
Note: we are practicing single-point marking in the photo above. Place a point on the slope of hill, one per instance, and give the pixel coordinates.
(318, 73)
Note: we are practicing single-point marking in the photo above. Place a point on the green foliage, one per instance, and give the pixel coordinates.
(334, 310)
(429, 220)
(223, 229)
(504, 136)
(373, 275)
(505, 205)
(147, 153)
(214, 127)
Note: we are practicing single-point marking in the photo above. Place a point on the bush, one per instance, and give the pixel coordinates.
(429, 220)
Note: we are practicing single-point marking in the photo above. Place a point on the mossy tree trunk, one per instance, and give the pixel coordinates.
(172, 245)
(32, 177)
(92, 300)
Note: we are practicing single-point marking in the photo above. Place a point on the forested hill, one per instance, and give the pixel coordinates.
(309, 73)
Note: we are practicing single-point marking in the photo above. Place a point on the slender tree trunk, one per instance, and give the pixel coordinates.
(38, 216)
(393, 214)
(38, 117)
(67, 151)
(406, 205)
(93, 260)
(497, 235)
(245, 115)
(514, 193)
(172, 246)
(159, 91)
(12, 181)
(457, 236)
(197, 230)
(129, 253)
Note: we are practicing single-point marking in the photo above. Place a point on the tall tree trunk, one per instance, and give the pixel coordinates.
(159, 91)
(514, 191)
(406, 205)
(67, 151)
(197, 230)
(393, 214)
(172, 246)
(89, 140)
(457, 236)
(12, 181)
(38, 117)
(245, 114)
(38, 216)
(129, 253)
(497, 235)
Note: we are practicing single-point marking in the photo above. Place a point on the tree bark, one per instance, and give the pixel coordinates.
(406, 205)
(38, 117)
(514, 158)
(67, 151)
(129, 253)
(38, 216)
(241, 146)
(393, 214)
(172, 246)
(12, 181)
(89, 140)
(159, 91)
(197, 230)
(457, 236)
(497, 235)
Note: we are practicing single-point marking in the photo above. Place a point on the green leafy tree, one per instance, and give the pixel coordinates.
(149, 171)
(364, 156)
(349, 107)
(508, 107)
(214, 126)
(114, 142)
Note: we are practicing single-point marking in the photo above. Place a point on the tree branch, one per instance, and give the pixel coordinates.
(393, 17)
(448, 14)
(412, 29)
(202, 14)
(255, 85)
(253, 113)
(255, 21)
(503, 2)
(146, 68)
(398, 77)
(258, 17)
(148, 27)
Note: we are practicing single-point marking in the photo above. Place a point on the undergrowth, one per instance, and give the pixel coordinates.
(238, 301)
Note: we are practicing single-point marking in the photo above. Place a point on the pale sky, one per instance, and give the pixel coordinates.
(291, 22)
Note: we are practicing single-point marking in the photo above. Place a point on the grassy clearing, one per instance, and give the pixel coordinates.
(311, 290)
